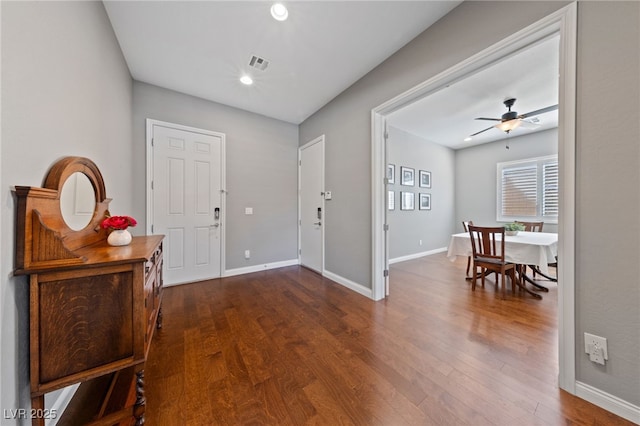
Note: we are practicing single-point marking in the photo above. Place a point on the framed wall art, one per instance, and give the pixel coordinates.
(407, 176)
(425, 202)
(407, 200)
(391, 174)
(425, 179)
(391, 199)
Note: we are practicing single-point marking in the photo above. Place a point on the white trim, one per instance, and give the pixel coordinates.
(417, 255)
(609, 402)
(60, 404)
(319, 139)
(223, 178)
(351, 285)
(564, 22)
(259, 268)
(379, 242)
(567, 218)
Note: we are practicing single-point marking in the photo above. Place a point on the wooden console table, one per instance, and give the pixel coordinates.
(93, 307)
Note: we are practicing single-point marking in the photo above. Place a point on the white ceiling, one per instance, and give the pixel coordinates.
(447, 116)
(201, 48)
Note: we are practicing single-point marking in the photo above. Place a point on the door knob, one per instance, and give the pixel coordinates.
(318, 223)
(215, 225)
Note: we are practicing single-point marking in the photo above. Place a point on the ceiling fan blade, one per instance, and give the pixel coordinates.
(490, 119)
(530, 124)
(539, 111)
(477, 133)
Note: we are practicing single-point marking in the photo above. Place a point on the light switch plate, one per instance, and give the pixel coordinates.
(327, 195)
(248, 210)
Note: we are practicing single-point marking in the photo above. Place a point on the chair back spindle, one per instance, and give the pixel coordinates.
(532, 226)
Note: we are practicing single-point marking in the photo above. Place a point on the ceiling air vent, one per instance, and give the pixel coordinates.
(258, 63)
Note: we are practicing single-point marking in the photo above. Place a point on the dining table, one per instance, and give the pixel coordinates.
(536, 249)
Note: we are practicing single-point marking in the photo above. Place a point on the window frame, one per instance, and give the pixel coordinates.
(539, 163)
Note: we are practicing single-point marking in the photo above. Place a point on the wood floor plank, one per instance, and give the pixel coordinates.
(290, 347)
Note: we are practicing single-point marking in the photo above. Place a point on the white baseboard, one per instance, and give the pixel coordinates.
(416, 255)
(258, 268)
(351, 285)
(609, 402)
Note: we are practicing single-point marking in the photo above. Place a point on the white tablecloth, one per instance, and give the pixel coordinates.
(526, 248)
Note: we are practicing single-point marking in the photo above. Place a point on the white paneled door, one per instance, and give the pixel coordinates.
(187, 202)
(312, 204)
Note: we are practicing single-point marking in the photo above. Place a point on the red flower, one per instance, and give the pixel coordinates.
(118, 222)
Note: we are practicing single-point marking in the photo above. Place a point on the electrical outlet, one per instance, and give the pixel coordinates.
(420, 242)
(247, 254)
(596, 347)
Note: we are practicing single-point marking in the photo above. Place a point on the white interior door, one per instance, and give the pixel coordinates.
(312, 204)
(187, 202)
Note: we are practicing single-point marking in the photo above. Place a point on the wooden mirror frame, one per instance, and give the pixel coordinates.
(43, 238)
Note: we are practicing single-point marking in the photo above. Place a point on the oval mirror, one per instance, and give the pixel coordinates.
(77, 201)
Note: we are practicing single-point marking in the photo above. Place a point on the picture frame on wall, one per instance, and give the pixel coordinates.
(391, 199)
(425, 179)
(424, 202)
(407, 176)
(407, 200)
(391, 174)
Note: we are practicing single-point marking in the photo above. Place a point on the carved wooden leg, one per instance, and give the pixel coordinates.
(37, 406)
(139, 407)
(159, 319)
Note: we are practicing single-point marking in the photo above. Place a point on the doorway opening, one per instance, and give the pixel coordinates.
(563, 23)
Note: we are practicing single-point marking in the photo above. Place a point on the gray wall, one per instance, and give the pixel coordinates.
(608, 194)
(433, 227)
(346, 120)
(608, 199)
(261, 155)
(66, 90)
(476, 174)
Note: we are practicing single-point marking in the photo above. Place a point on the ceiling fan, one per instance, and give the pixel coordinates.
(511, 120)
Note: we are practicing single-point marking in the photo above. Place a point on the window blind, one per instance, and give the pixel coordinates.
(550, 189)
(528, 190)
(519, 191)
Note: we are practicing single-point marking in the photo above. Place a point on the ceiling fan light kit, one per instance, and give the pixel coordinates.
(507, 126)
(510, 120)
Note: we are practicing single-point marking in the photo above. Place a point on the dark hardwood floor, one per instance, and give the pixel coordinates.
(289, 347)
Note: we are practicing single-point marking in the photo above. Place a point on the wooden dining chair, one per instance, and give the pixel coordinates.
(465, 225)
(532, 226)
(488, 254)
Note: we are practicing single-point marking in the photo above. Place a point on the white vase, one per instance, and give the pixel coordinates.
(119, 237)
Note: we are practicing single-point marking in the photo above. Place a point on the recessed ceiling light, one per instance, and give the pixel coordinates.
(279, 12)
(467, 139)
(245, 79)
